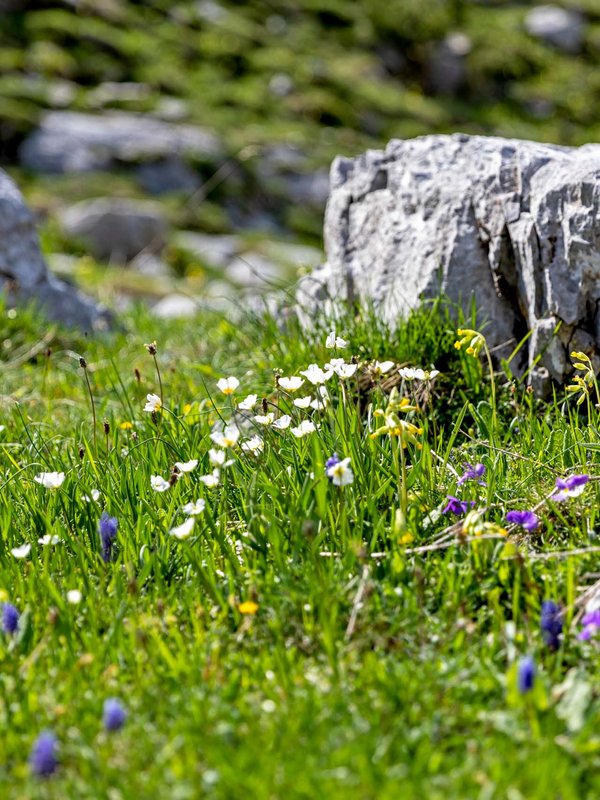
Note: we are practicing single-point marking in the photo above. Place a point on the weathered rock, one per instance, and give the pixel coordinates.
(71, 142)
(176, 306)
(114, 229)
(23, 273)
(211, 249)
(561, 28)
(511, 224)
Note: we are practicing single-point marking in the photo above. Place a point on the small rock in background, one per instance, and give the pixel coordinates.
(168, 175)
(116, 230)
(212, 250)
(68, 141)
(150, 265)
(253, 270)
(556, 26)
(447, 65)
(176, 306)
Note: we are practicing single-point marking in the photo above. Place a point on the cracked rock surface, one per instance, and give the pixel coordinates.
(514, 225)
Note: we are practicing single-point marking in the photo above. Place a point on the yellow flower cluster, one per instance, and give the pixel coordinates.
(475, 525)
(394, 425)
(474, 341)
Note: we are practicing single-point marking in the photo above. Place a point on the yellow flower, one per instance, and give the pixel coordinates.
(407, 538)
(126, 426)
(474, 341)
(248, 607)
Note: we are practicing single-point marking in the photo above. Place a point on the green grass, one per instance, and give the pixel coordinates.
(371, 668)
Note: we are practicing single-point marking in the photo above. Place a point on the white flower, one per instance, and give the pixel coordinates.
(217, 458)
(153, 403)
(50, 480)
(195, 508)
(49, 539)
(291, 384)
(316, 375)
(95, 496)
(226, 438)
(412, 374)
(211, 480)
(305, 427)
(265, 419)
(248, 402)
(381, 367)
(228, 385)
(159, 484)
(255, 445)
(74, 596)
(22, 551)
(2, 427)
(283, 422)
(184, 530)
(188, 466)
(335, 341)
(320, 405)
(340, 473)
(303, 402)
(344, 370)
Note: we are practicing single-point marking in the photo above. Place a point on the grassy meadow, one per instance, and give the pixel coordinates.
(269, 621)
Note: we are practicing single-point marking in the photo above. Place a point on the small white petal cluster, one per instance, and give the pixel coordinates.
(211, 481)
(22, 551)
(227, 437)
(49, 539)
(153, 403)
(303, 429)
(254, 445)
(93, 496)
(283, 422)
(74, 597)
(416, 374)
(265, 419)
(381, 367)
(186, 466)
(228, 385)
(341, 473)
(50, 480)
(248, 403)
(335, 341)
(303, 402)
(291, 384)
(184, 530)
(195, 508)
(316, 375)
(159, 484)
(218, 458)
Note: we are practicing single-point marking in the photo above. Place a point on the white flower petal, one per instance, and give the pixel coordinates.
(195, 508)
(159, 484)
(22, 551)
(74, 596)
(228, 385)
(187, 466)
(184, 530)
(248, 402)
(50, 480)
(305, 427)
(291, 384)
(153, 403)
(283, 422)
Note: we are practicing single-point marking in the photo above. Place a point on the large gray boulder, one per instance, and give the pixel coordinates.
(23, 273)
(556, 26)
(514, 225)
(68, 141)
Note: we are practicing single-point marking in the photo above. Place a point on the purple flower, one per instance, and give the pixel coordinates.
(331, 462)
(591, 624)
(43, 759)
(570, 487)
(526, 674)
(551, 623)
(456, 506)
(473, 473)
(527, 519)
(107, 527)
(10, 618)
(114, 714)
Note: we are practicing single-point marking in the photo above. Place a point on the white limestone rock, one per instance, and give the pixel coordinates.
(514, 225)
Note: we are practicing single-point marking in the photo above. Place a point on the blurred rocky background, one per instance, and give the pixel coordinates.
(178, 152)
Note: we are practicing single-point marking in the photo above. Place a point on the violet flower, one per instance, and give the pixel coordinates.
(526, 674)
(551, 623)
(456, 506)
(570, 487)
(526, 519)
(473, 473)
(43, 759)
(591, 624)
(107, 527)
(114, 714)
(10, 618)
